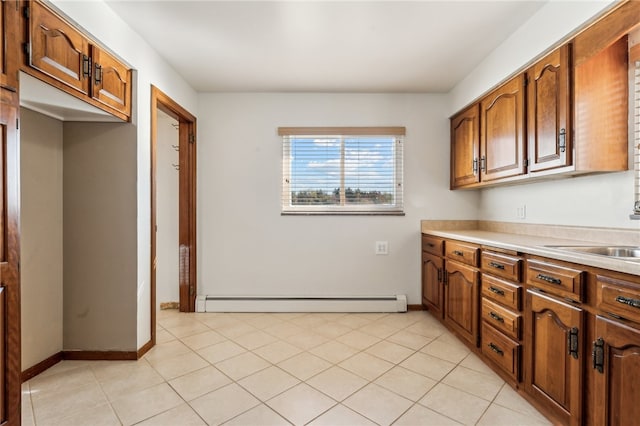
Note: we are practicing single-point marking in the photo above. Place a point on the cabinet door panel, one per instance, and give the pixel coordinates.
(111, 81)
(554, 376)
(548, 100)
(432, 288)
(57, 49)
(617, 385)
(465, 146)
(461, 300)
(502, 131)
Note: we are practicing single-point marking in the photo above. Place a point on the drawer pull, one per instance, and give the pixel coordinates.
(496, 291)
(496, 317)
(634, 303)
(496, 265)
(496, 349)
(597, 355)
(549, 279)
(431, 244)
(458, 253)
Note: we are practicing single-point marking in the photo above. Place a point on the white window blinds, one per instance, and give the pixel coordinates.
(342, 170)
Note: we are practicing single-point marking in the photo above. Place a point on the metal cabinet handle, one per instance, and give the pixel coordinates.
(458, 253)
(496, 317)
(597, 355)
(496, 291)
(549, 279)
(496, 265)
(496, 349)
(634, 303)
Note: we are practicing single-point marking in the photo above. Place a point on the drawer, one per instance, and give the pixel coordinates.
(618, 297)
(502, 291)
(502, 265)
(461, 252)
(501, 318)
(556, 279)
(433, 245)
(503, 351)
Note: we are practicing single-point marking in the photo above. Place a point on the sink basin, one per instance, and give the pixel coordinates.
(624, 252)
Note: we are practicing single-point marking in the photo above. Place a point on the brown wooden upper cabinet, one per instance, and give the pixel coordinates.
(465, 147)
(63, 56)
(549, 112)
(502, 135)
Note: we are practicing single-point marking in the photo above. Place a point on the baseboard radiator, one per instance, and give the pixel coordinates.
(394, 303)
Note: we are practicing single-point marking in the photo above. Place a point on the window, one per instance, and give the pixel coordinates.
(344, 170)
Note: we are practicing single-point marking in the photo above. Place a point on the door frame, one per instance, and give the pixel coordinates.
(187, 200)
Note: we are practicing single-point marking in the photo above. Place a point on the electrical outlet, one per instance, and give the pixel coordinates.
(521, 212)
(382, 247)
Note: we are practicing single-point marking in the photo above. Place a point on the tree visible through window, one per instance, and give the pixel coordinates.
(342, 170)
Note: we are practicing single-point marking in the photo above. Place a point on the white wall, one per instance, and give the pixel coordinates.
(247, 248)
(167, 193)
(41, 255)
(97, 18)
(602, 200)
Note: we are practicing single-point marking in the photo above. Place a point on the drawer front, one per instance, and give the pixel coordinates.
(433, 245)
(501, 318)
(559, 280)
(501, 350)
(502, 291)
(504, 266)
(461, 252)
(618, 297)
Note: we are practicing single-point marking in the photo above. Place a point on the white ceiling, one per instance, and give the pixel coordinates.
(324, 46)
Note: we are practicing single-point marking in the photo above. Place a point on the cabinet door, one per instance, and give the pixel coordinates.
(548, 112)
(617, 368)
(3, 49)
(111, 81)
(57, 49)
(465, 147)
(553, 337)
(9, 277)
(461, 300)
(502, 131)
(432, 283)
(9, 43)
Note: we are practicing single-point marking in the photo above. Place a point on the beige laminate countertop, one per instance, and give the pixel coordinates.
(538, 245)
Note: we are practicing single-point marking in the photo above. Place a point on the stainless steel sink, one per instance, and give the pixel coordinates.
(622, 252)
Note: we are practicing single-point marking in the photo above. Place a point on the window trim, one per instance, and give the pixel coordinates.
(340, 210)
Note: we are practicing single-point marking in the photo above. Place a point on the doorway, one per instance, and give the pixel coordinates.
(186, 169)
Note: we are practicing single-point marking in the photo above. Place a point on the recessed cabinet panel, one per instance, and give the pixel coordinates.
(465, 147)
(461, 300)
(58, 49)
(553, 342)
(616, 362)
(432, 283)
(502, 131)
(548, 101)
(111, 81)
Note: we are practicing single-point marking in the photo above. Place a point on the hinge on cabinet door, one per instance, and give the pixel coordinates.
(86, 66)
(475, 166)
(445, 278)
(562, 140)
(26, 48)
(526, 162)
(191, 291)
(439, 275)
(572, 342)
(192, 138)
(597, 355)
(17, 124)
(25, 12)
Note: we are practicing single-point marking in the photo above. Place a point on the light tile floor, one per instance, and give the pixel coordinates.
(259, 369)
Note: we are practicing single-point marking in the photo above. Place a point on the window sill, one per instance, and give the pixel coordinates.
(310, 213)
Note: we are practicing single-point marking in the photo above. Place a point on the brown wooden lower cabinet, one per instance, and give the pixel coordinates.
(433, 283)
(553, 338)
(616, 369)
(462, 289)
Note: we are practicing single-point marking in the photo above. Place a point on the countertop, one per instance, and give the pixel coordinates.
(489, 235)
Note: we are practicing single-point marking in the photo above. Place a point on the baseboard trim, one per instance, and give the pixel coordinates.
(416, 308)
(100, 355)
(145, 348)
(40, 367)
